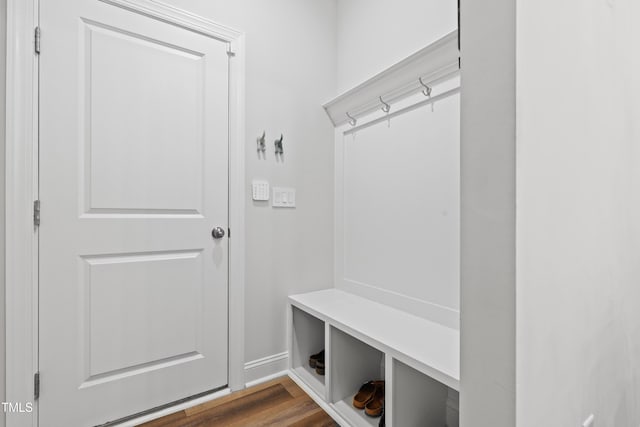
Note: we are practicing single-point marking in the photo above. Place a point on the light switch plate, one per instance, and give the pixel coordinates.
(284, 197)
(260, 190)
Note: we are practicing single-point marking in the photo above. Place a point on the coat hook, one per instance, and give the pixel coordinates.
(352, 120)
(385, 107)
(261, 144)
(278, 145)
(427, 89)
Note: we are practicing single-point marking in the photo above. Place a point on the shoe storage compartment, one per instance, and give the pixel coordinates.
(352, 364)
(307, 338)
(418, 400)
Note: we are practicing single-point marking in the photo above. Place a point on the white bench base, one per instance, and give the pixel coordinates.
(365, 340)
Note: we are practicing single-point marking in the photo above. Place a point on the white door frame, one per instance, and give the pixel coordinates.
(21, 261)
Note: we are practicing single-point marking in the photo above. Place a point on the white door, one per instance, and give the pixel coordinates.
(133, 178)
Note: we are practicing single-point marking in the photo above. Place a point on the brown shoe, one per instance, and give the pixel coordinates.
(314, 358)
(366, 393)
(375, 406)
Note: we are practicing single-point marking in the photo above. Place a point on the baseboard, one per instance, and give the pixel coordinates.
(266, 368)
(436, 313)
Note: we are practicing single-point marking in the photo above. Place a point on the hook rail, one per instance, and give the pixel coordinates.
(403, 111)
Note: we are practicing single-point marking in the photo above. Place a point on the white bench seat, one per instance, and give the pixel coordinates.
(427, 346)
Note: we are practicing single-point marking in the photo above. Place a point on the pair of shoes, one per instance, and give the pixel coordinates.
(370, 397)
(316, 361)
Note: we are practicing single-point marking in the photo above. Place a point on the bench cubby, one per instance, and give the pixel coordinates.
(418, 400)
(308, 337)
(352, 363)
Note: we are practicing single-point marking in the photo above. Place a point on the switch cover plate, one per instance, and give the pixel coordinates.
(284, 197)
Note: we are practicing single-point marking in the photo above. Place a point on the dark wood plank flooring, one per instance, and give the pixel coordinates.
(276, 403)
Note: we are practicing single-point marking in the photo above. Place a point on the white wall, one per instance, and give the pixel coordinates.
(402, 206)
(487, 330)
(400, 210)
(401, 183)
(290, 47)
(374, 34)
(578, 213)
(3, 29)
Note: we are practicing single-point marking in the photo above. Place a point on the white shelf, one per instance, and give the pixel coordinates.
(433, 64)
(428, 347)
(355, 417)
(310, 378)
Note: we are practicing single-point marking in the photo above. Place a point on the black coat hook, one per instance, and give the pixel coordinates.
(261, 144)
(278, 145)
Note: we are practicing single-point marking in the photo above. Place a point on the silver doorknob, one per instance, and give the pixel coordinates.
(218, 233)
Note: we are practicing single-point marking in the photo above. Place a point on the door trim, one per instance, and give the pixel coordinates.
(21, 244)
(21, 189)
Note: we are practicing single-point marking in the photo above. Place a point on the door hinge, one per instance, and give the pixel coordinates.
(36, 212)
(36, 385)
(229, 232)
(37, 41)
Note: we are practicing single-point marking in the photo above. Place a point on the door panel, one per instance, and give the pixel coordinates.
(139, 311)
(133, 178)
(137, 119)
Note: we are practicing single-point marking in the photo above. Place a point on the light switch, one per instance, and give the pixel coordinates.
(284, 197)
(260, 190)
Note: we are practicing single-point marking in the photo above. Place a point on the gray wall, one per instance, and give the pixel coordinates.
(291, 68)
(488, 282)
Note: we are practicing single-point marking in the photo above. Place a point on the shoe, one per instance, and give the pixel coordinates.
(313, 359)
(375, 406)
(366, 393)
(316, 361)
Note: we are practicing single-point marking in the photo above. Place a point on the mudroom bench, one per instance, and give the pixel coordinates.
(364, 340)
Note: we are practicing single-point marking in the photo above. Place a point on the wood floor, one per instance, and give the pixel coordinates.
(276, 403)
